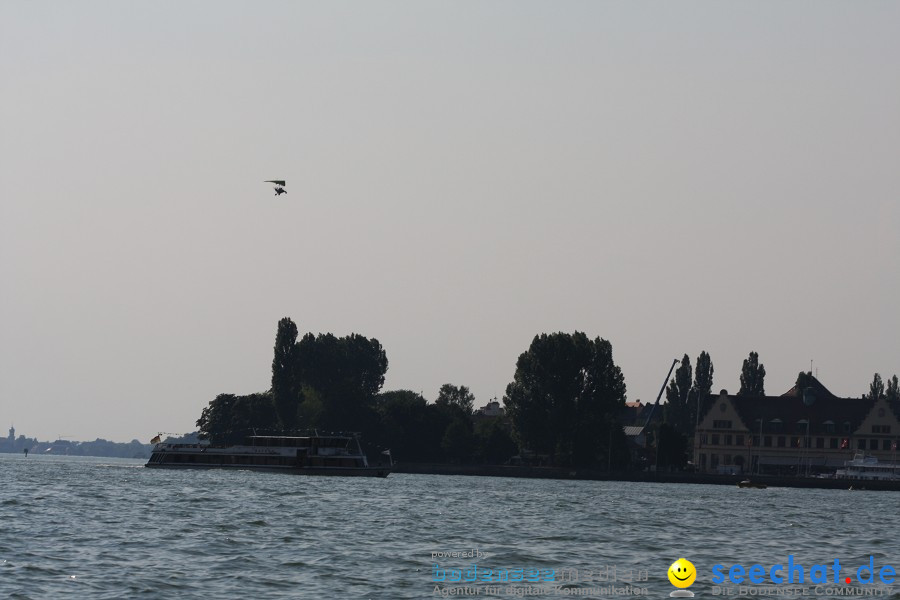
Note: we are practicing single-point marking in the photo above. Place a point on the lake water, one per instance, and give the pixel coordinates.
(108, 528)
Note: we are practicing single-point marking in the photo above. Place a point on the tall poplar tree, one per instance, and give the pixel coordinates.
(876, 388)
(893, 390)
(753, 375)
(284, 387)
(677, 410)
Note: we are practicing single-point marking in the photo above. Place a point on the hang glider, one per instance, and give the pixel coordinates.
(279, 186)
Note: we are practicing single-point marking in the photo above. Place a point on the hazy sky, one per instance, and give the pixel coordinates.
(671, 176)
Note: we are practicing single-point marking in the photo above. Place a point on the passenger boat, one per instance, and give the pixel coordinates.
(338, 454)
(868, 467)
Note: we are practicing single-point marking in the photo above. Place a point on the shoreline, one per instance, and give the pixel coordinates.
(640, 477)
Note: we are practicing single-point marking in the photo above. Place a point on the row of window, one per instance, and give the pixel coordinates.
(714, 463)
(776, 425)
(724, 440)
(781, 441)
(256, 461)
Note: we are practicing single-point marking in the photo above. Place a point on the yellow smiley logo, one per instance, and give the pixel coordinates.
(682, 573)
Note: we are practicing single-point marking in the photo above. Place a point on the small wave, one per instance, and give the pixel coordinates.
(42, 570)
(294, 563)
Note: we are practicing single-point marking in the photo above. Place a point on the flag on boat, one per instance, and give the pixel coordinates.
(845, 443)
(894, 445)
(155, 440)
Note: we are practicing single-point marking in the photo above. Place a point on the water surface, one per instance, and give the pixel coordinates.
(108, 528)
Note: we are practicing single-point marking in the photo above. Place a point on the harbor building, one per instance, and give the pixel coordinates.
(801, 432)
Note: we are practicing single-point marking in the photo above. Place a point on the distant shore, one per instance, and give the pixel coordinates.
(646, 477)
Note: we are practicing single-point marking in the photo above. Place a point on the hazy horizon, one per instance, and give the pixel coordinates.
(461, 177)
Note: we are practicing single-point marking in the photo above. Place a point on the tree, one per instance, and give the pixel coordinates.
(493, 442)
(320, 381)
(753, 375)
(215, 420)
(598, 407)
(677, 409)
(616, 454)
(228, 419)
(284, 387)
(457, 441)
(703, 382)
(410, 427)
(804, 380)
(460, 396)
(672, 448)
(703, 374)
(876, 388)
(893, 390)
(346, 374)
(565, 394)
(310, 407)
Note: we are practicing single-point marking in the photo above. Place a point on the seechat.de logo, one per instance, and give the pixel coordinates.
(682, 574)
(794, 572)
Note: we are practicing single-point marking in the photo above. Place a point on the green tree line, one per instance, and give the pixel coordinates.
(565, 405)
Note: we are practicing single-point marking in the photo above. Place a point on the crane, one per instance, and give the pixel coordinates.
(661, 390)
